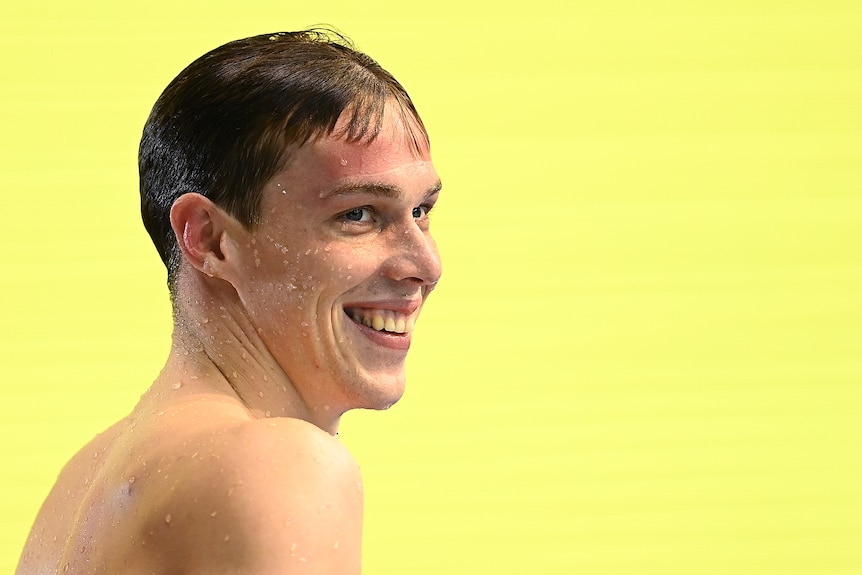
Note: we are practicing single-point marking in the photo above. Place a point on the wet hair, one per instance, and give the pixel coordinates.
(228, 122)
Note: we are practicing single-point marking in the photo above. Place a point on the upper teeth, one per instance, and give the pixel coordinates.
(383, 320)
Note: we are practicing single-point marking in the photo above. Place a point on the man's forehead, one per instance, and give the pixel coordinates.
(391, 151)
(332, 166)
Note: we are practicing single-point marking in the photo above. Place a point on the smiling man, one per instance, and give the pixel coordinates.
(286, 181)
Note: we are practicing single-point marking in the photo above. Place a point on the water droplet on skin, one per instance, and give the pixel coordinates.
(214, 513)
(260, 394)
(168, 518)
(226, 538)
(343, 161)
(66, 567)
(131, 479)
(335, 545)
(177, 385)
(86, 481)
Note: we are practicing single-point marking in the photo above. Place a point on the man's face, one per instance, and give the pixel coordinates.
(341, 263)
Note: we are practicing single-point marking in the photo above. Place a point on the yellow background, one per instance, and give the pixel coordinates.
(645, 356)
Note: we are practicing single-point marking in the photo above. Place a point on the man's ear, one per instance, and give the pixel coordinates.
(203, 232)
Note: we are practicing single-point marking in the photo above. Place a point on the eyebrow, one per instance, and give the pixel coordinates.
(374, 189)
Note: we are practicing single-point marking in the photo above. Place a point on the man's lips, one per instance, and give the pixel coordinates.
(388, 318)
(383, 327)
(388, 323)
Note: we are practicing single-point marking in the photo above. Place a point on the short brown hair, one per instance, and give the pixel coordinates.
(226, 124)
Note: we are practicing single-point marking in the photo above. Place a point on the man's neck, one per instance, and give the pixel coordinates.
(216, 349)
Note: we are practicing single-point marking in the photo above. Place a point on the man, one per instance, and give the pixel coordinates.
(286, 181)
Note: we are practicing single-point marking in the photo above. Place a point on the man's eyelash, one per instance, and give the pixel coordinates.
(361, 211)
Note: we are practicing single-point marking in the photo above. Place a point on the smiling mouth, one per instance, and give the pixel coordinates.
(384, 320)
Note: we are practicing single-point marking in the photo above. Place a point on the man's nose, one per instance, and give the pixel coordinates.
(414, 257)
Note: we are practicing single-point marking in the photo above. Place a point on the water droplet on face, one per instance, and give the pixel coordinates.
(214, 513)
(168, 518)
(260, 394)
(343, 161)
(226, 538)
(177, 385)
(66, 567)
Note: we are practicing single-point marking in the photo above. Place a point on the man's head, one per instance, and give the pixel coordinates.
(286, 181)
(230, 121)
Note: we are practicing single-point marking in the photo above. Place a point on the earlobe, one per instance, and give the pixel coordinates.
(200, 228)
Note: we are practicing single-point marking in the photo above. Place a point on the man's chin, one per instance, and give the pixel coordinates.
(381, 392)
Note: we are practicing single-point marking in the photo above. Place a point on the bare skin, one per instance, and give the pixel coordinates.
(229, 463)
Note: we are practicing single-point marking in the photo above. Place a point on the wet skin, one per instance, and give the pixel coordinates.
(228, 464)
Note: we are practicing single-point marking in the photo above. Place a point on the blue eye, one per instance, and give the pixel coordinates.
(358, 215)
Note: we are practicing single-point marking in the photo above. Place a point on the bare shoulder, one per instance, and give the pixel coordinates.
(266, 496)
